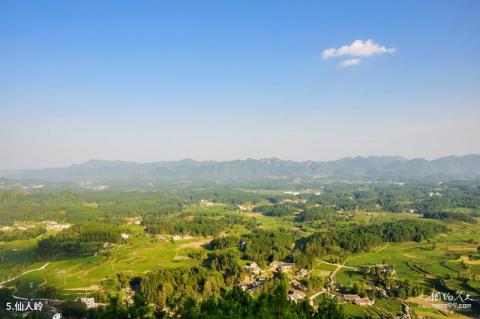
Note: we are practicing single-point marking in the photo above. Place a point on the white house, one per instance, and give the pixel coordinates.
(89, 302)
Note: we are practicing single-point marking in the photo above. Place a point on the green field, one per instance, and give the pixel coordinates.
(381, 309)
(83, 275)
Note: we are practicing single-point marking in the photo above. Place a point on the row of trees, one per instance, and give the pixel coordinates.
(17, 234)
(78, 240)
(194, 225)
(315, 214)
(278, 210)
(92, 232)
(459, 216)
(52, 247)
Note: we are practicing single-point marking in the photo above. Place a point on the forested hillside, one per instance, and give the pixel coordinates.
(374, 167)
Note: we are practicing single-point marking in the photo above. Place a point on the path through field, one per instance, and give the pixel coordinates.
(315, 295)
(407, 309)
(24, 273)
(331, 276)
(334, 273)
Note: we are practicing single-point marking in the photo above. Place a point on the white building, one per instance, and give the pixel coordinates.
(89, 302)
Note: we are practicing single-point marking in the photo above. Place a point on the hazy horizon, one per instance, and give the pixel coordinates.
(234, 159)
(148, 81)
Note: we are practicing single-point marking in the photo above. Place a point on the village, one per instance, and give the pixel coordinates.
(298, 290)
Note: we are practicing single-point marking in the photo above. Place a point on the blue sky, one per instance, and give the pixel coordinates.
(164, 80)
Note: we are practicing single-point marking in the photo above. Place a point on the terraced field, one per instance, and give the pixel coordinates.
(381, 308)
(82, 275)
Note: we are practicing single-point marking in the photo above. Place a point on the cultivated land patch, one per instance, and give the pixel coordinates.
(195, 243)
(77, 275)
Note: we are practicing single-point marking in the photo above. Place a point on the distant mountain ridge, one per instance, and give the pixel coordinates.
(372, 167)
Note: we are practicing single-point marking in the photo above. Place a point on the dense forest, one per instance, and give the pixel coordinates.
(92, 232)
(316, 214)
(52, 247)
(266, 246)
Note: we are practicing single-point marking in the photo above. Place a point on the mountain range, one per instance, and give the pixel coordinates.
(372, 167)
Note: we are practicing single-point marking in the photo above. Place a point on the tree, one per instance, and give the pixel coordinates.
(115, 310)
(139, 308)
(73, 309)
(47, 292)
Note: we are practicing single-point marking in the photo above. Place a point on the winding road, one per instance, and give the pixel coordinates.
(331, 276)
(24, 273)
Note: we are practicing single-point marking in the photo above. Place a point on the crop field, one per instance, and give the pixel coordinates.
(346, 277)
(422, 307)
(381, 308)
(322, 269)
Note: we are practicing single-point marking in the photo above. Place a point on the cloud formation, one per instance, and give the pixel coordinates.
(357, 48)
(349, 62)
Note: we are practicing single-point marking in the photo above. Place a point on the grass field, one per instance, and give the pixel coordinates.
(83, 275)
(381, 309)
(322, 269)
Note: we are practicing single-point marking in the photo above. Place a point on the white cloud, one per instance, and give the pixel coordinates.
(357, 48)
(349, 62)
